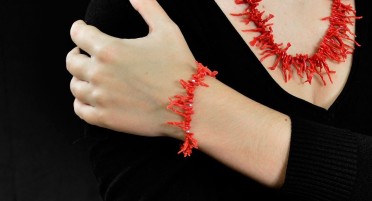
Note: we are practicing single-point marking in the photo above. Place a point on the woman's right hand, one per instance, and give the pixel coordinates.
(124, 84)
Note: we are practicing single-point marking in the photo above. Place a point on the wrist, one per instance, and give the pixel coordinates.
(241, 133)
(183, 105)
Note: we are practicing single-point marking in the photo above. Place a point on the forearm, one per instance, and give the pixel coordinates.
(245, 135)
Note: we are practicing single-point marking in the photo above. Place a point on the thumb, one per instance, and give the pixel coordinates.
(153, 14)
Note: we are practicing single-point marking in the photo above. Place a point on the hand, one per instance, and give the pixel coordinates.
(124, 84)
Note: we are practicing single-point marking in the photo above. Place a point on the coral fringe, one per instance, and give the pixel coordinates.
(331, 47)
(183, 106)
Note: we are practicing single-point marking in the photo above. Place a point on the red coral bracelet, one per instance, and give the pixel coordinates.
(183, 106)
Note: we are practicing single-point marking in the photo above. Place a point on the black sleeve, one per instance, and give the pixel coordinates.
(328, 163)
(133, 168)
(325, 163)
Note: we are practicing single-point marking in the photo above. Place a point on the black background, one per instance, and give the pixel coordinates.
(38, 158)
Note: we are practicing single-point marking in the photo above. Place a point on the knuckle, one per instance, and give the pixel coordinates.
(69, 61)
(73, 87)
(104, 54)
(86, 116)
(99, 98)
(96, 76)
(107, 53)
(78, 32)
(77, 110)
(74, 30)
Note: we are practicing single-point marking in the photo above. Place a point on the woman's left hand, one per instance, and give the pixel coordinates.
(124, 84)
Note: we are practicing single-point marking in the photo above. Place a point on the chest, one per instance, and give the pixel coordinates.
(298, 22)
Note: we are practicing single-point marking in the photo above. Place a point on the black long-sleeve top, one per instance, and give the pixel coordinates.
(330, 152)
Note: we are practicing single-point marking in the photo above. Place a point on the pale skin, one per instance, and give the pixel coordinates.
(125, 83)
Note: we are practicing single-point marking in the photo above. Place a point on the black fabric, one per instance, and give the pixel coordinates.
(330, 149)
(38, 158)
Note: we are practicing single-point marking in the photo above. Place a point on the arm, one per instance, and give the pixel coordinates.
(92, 106)
(325, 162)
(245, 135)
(96, 104)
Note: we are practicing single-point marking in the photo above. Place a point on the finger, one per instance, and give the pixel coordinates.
(88, 38)
(85, 112)
(77, 64)
(81, 90)
(152, 13)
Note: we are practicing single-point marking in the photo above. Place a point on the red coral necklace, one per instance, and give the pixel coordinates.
(332, 46)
